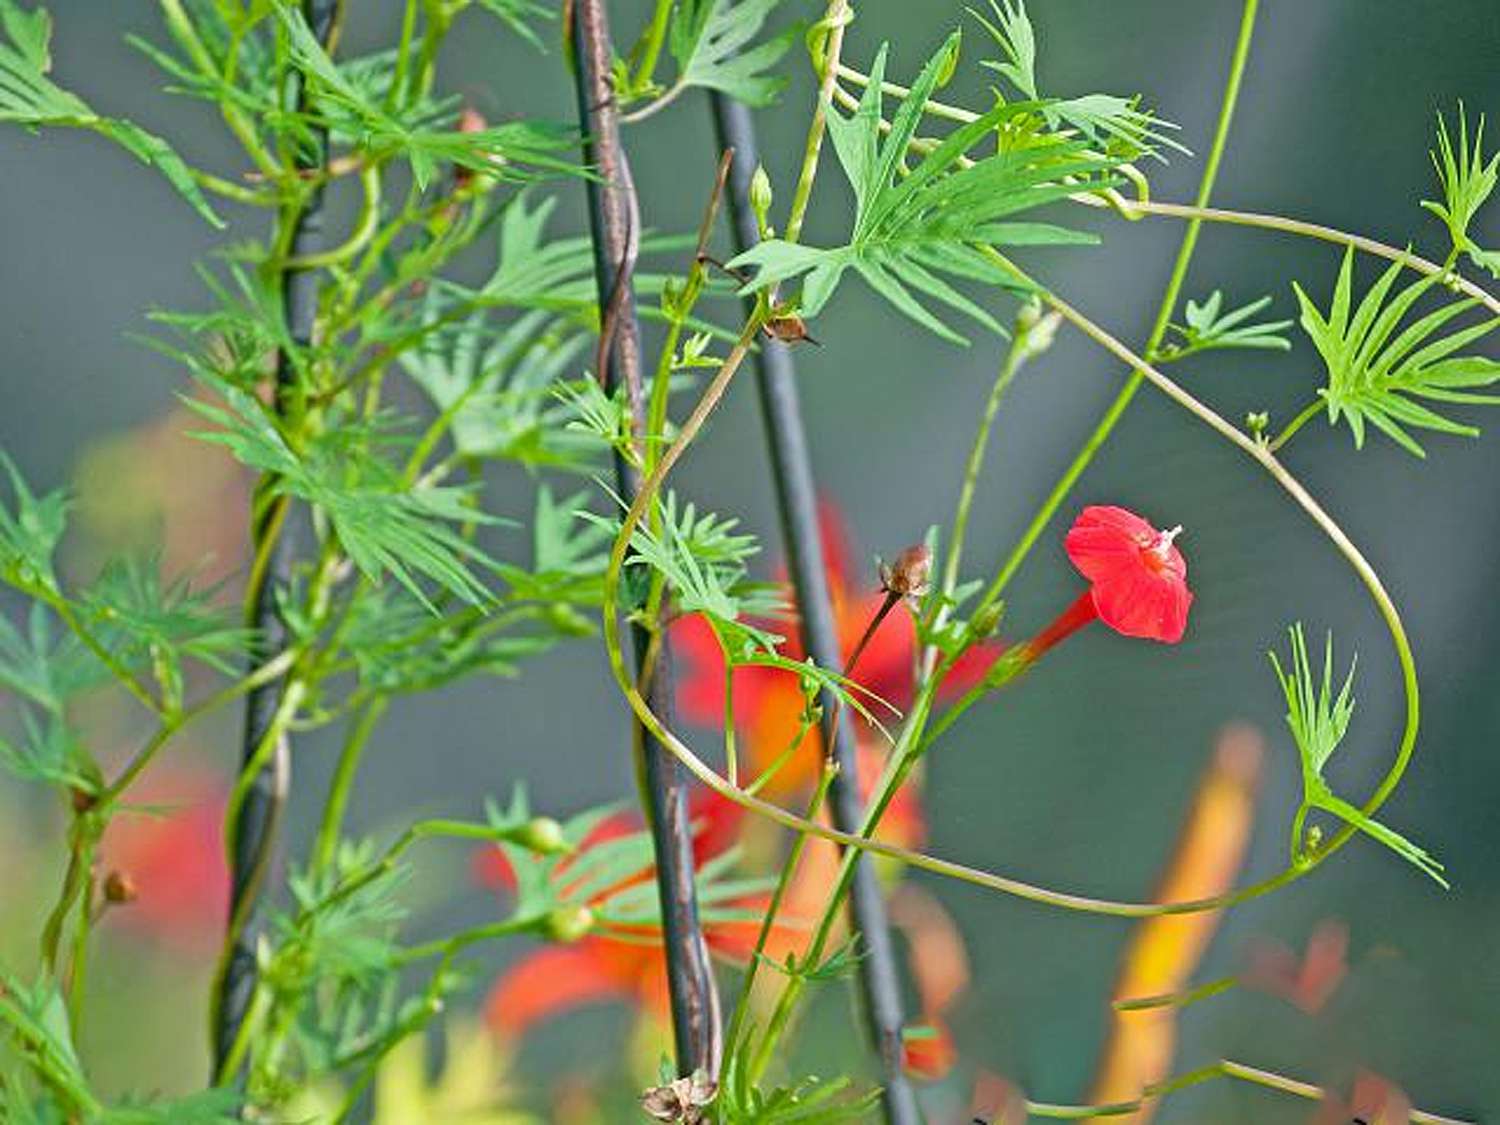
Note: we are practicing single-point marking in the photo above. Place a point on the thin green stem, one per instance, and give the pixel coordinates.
(1199, 214)
(835, 18)
(649, 50)
(365, 226)
(339, 789)
(783, 881)
(1311, 411)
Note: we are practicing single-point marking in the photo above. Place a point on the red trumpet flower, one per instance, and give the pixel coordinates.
(1138, 579)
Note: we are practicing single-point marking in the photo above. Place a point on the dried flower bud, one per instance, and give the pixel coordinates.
(119, 888)
(788, 328)
(760, 199)
(83, 800)
(910, 576)
(543, 835)
(681, 1100)
(569, 923)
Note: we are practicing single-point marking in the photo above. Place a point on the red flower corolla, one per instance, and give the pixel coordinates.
(768, 702)
(1138, 579)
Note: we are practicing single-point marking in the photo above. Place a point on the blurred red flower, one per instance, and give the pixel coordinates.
(169, 845)
(768, 702)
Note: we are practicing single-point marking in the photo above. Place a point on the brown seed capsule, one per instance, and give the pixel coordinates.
(789, 329)
(910, 576)
(119, 888)
(681, 1101)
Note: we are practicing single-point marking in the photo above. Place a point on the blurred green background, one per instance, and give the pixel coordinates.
(1078, 780)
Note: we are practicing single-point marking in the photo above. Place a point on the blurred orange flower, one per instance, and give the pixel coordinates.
(768, 702)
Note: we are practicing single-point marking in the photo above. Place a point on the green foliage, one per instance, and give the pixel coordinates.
(1117, 125)
(703, 559)
(1467, 180)
(1207, 328)
(711, 40)
(386, 525)
(29, 534)
(941, 217)
(1375, 373)
(29, 97)
(809, 1100)
(160, 625)
(43, 670)
(516, 150)
(517, 14)
(1319, 719)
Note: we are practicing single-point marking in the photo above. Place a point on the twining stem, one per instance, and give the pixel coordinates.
(615, 229)
(797, 502)
(1199, 214)
(266, 753)
(1224, 1068)
(835, 18)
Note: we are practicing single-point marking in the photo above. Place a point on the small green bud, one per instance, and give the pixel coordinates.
(1035, 330)
(1257, 422)
(568, 923)
(949, 64)
(760, 199)
(543, 835)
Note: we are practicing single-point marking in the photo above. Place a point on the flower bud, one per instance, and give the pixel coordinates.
(543, 835)
(910, 576)
(568, 923)
(760, 199)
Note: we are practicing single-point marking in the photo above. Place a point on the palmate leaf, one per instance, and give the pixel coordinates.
(29, 97)
(711, 41)
(914, 231)
(703, 559)
(495, 382)
(1208, 328)
(1376, 374)
(1318, 719)
(1116, 124)
(384, 525)
(1467, 180)
(146, 621)
(44, 670)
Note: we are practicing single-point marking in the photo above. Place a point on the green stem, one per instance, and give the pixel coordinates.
(331, 827)
(651, 43)
(836, 17)
(783, 881)
(774, 1030)
(1015, 357)
(365, 226)
(1198, 214)
(1311, 411)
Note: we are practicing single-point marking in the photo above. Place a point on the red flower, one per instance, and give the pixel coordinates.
(1138, 579)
